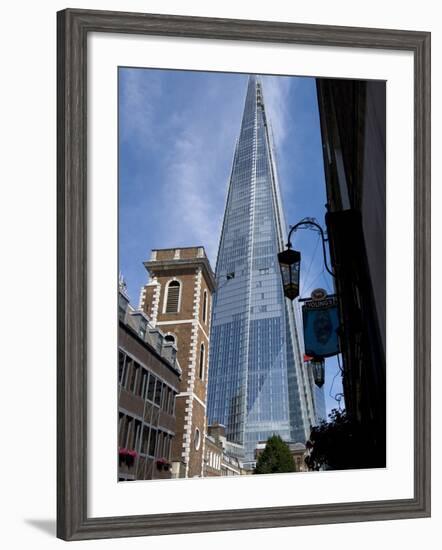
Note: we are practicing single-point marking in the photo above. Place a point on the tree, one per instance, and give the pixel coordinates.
(276, 457)
(339, 445)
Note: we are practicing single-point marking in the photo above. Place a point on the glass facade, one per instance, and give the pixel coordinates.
(258, 385)
(321, 412)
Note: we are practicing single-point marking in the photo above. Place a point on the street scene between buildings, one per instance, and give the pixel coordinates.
(252, 274)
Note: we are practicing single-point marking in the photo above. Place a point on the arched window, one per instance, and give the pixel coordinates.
(173, 297)
(201, 373)
(205, 306)
(170, 338)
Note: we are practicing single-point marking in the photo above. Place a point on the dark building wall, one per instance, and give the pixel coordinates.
(353, 126)
(373, 196)
(352, 115)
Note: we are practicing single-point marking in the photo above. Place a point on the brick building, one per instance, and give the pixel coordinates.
(213, 457)
(178, 300)
(148, 382)
(222, 457)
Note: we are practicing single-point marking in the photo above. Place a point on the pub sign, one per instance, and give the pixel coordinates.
(321, 325)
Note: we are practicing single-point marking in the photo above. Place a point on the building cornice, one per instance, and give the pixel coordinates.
(153, 266)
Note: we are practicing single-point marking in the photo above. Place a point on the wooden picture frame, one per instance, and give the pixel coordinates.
(73, 28)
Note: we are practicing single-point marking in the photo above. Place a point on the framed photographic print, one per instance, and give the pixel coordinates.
(243, 274)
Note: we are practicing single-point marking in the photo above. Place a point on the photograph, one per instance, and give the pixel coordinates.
(252, 274)
(243, 274)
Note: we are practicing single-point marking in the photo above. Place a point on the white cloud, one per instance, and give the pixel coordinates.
(194, 143)
(137, 101)
(200, 159)
(276, 93)
(196, 177)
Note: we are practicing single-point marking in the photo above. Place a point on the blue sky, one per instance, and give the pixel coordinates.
(177, 132)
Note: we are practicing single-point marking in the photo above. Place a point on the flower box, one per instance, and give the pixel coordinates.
(127, 456)
(163, 464)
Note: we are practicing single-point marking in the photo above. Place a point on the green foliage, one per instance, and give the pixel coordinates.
(340, 444)
(276, 457)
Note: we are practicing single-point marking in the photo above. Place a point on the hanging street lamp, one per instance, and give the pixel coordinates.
(290, 261)
(290, 264)
(317, 366)
(319, 331)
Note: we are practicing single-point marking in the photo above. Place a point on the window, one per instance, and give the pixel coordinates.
(169, 403)
(164, 397)
(197, 439)
(121, 358)
(173, 297)
(122, 429)
(142, 388)
(160, 442)
(158, 393)
(167, 446)
(129, 433)
(137, 437)
(152, 442)
(151, 387)
(201, 373)
(145, 440)
(133, 380)
(205, 306)
(130, 373)
(172, 402)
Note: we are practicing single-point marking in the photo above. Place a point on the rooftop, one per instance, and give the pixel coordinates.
(140, 326)
(171, 258)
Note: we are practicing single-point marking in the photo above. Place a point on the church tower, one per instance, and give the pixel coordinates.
(178, 300)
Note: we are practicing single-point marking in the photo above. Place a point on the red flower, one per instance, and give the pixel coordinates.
(127, 456)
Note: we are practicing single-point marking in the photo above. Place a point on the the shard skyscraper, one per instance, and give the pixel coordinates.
(258, 383)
